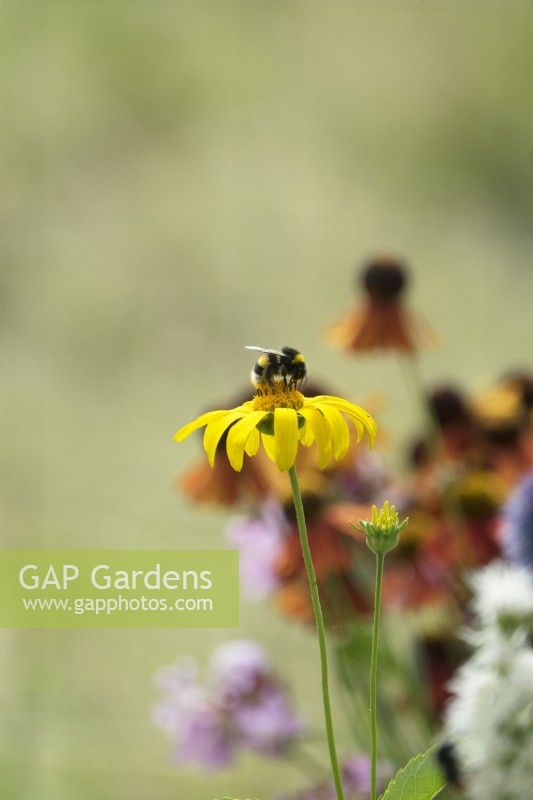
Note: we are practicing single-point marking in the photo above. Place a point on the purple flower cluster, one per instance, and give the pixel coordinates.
(240, 704)
(518, 524)
(355, 778)
(259, 541)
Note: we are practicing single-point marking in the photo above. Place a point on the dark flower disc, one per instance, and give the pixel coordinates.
(384, 278)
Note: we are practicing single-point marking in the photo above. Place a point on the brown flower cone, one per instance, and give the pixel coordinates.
(381, 325)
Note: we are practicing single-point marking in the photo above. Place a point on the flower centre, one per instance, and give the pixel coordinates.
(278, 397)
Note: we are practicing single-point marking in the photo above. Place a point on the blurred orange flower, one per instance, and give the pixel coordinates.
(333, 551)
(222, 486)
(382, 322)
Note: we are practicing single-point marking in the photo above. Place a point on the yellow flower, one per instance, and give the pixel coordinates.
(282, 419)
(383, 530)
(498, 406)
(386, 518)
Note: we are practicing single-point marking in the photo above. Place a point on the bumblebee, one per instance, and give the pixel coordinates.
(275, 367)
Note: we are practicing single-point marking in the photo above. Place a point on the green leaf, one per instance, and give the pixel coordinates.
(420, 779)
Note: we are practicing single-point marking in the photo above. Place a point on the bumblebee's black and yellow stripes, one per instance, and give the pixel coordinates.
(273, 367)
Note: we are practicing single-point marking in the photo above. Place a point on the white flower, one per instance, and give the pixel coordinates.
(490, 719)
(503, 592)
(491, 723)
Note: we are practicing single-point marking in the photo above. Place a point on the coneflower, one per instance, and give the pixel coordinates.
(381, 320)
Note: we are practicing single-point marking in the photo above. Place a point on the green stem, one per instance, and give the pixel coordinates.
(321, 630)
(374, 678)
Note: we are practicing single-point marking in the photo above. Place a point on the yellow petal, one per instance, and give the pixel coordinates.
(321, 433)
(215, 430)
(268, 444)
(199, 422)
(305, 434)
(238, 436)
(252, 443)
(285, 437)
(340, 434)
(360, 418)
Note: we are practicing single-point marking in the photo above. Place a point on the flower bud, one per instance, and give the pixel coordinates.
(383, 531)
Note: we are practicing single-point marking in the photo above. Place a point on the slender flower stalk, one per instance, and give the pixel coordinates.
(374, 677)
(282, 419)
(321, 631)
(382, 534)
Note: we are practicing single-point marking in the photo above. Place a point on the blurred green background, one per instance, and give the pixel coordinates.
(180, 179)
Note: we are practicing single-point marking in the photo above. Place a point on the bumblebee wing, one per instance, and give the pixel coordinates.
(263, 350)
